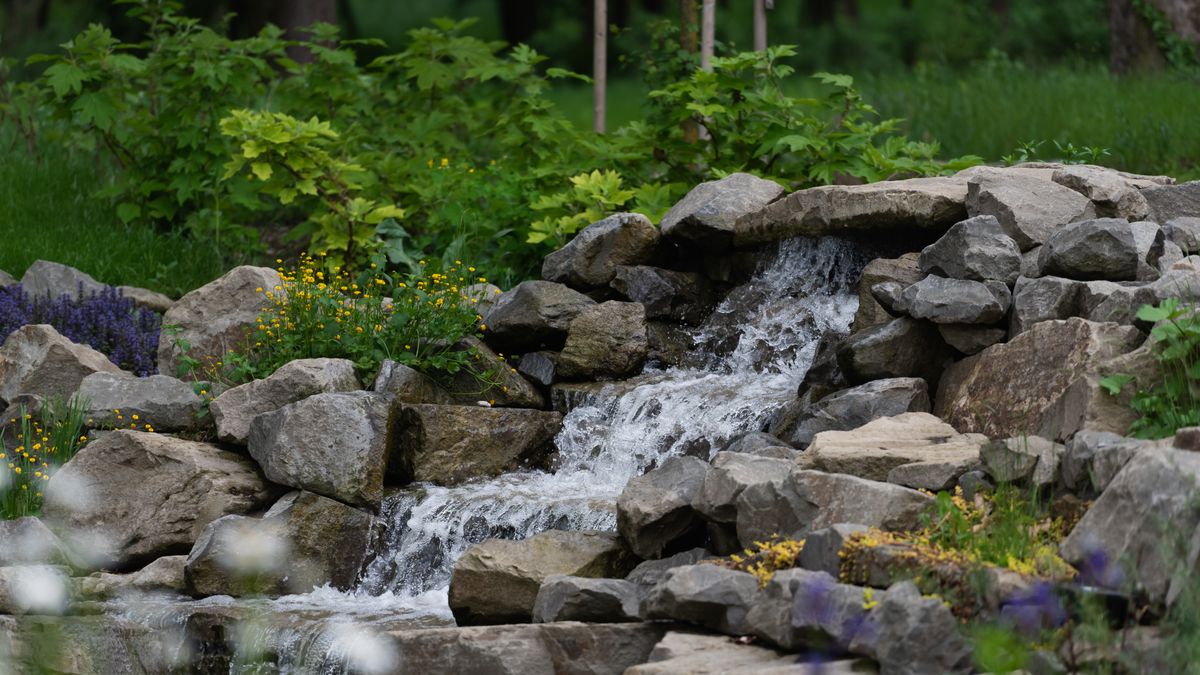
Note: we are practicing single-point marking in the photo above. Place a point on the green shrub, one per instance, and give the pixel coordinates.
(43, 443)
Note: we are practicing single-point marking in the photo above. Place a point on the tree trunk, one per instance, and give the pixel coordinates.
(22, 19)
(708, 23)
(295, 15)
(688, 43)
(760, 25)
(599, 62)
(1133, 46)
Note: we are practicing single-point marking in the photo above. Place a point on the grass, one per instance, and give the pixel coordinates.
(48, 210)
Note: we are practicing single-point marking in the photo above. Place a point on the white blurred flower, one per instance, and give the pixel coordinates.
(92, 546)
(39, 589)
(69, 492)
(363, 652)
(251, 547)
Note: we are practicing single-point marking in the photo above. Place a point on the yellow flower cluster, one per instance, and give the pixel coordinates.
(766, 558)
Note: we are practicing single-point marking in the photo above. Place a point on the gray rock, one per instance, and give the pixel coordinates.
(447, 445)
(974, 482)
(166, 492)
(1168, 202)
(854, 407)
(1184, 233)
(873, 450)
(969, 339)
(164, 403)
(711, 596)
(164, 575)
(1150, 502)
(147, 299)
(1112, 194)
(1171, 254)
(1043, 299)
(753, 441)
(670, 342)
(1078, 456)
(566, 598)
(296, 446)
(1023, 458)
(216, 318)
(682, 653)
(53, 280)
(822, 548)
(607, 340)
(7, 279)
(407, 384)
(1029, 209)
(481, 296)
(1120, 302)
(539, 367)
(903, 271)
(932, 204)
(649, 572)
(236, 408)
(666, 294)
(1087, 405)
(799, 609)
(36, 360)
(976, 249)
(1187, 438)
(810, 500)
(27, 541)
(592, 257)
(1103, 248)
(902, 347)
(957, 301)
(709, 212)
(913, 635)
(502, 386)
(889, 295)
(1030, 263)
(654, 511)
(497, 581)
(533, 315)
(731, 473)
(932, 475)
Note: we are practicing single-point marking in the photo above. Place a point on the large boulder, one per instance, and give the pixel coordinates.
(1113, 194)
(533, 315)
(853, 407)
(159, 402)
(45, 279)
(1105, 248)
(1029, 209)
(1043, 299)
(931, 204)
(708, 214)
(957, 301)
(408, 385)
(217, 317)
(873, 450)
(497, 581)
(654, 511)
(903, 271)
(731, 473)
(1145, 519)
(976, 249)
(334, 444)
(1008, 389)
(566, 598)
(810, 500)
(903, 347)
(592, 257)
(1088, 405)
(450, 444)
(666, 294)
(970, 339)
(607, 340)
(236, 408)
(166, 491)
(648, 573)
(712, 596)
(1184, 233)
(1168, 202)
(36, 360)
(302, 542)
(914, 635)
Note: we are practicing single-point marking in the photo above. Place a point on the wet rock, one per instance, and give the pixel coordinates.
(902, 347)
(165, 574)
(650, 572)
(1043, 299)
(45, 279)
(295, 446)
(682, 653)
(1022, 458)
(539, 367)
(498, 580)
(566, 598)
(236, 408)
(654, 511)
(810, 500)
(1149, 503)
(874, 449)
(855, 407)
(1184, 233)
(903, 271)
(1168, 202)
(711, 596)
(976, 249)
(407, 384)
(167, 490)
(592, 257)
(666, 294)
(607, 340)
(217, 317)
(1112, 194)
(957, 301)
(731, 473)
(822, 548)
(708, 214)
(503, 386)
(27, 541)
(1029, 209)
(931, 204)
(968, 339)
(36, 360)
(447, 445)
(670, 343)
(1008, 389)
(164, 403)
(1105, 248)
(534, 315)
(913, 634)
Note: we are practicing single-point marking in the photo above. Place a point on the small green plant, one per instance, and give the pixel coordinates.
(43, 442)
(1173, 401)
(591, 197)
(1067, 153)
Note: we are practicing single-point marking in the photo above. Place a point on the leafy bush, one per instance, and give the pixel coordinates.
(44, 442)
(106, 321)
(1172, 402)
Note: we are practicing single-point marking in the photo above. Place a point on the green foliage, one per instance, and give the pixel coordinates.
(1179, 51)
(1066, 153)
(42, 443)
(1173, 401)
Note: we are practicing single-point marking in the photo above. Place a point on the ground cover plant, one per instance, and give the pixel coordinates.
(32, 448)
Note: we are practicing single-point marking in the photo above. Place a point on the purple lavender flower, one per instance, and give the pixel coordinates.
(1035, 610)
(1098, 569)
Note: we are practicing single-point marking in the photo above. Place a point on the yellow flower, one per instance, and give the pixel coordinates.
(445, 162)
